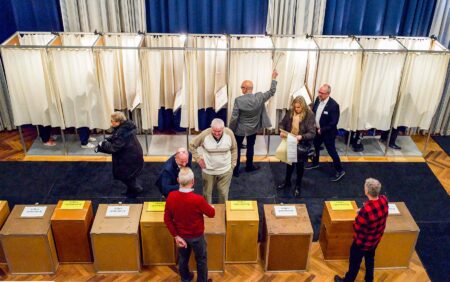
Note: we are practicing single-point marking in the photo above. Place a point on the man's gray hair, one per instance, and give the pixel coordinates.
(217, 123)
(185, 176)
(181, 151)
(118, 117)
(328, 87)
(373, 187)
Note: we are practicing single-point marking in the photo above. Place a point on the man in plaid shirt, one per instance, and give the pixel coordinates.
(368, 228)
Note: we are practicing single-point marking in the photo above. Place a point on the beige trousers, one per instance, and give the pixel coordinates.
(222, 182)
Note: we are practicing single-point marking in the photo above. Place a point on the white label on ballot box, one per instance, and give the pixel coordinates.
(33, 212)
(393, 209)
(117, 211)
(285, 211)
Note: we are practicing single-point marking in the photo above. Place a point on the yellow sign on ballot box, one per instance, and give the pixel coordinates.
(241, 205)
(156, 206)
(341, 205)
(72, 205)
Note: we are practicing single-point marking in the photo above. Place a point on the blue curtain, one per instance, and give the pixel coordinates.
(37, 15)
(169, 121)
(8, 25)
(379, 17)
(207, 16)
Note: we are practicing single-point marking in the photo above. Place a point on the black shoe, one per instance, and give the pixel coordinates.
(395, 146)
(338, 279)
(382, 140)
(133, 192)
(311, 166)
(284, 186)
(252, 168)
(337, 176)
(297, 191)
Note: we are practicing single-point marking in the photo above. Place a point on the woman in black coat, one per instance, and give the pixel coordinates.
(127, 156)
(300, 122)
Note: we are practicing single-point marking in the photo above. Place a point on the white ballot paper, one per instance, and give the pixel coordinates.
(285, 211)
(291, 148)
(304, 93)
(179, 97)
(393, 209)
(33, 212)
(117, 211)
(221, 98)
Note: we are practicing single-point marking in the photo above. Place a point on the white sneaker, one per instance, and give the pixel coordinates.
(88, 146)
(92, 139)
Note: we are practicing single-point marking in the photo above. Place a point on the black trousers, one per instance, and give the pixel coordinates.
(132, 184)
(250, 150)
(300, 168)
(45, 132)
(198, 245)
(330, 145)
(394, 134)
(356, 256)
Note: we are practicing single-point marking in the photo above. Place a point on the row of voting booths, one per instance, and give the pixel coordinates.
(36, 238)
(77, 79)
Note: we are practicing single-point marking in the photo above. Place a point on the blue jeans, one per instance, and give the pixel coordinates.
(198, 245)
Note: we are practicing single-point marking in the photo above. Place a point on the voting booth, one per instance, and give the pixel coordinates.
(399, 239)
(242, 231)
(158, 245)
(288, 238)
(71, 223)
(27, 240)
(4, 212)
(115, 238)
(215, 239)
(336, 229)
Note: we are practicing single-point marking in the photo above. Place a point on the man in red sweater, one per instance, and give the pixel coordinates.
(368, 228)
(183, 217)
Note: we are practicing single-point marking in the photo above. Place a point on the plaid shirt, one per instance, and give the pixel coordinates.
(370, 223)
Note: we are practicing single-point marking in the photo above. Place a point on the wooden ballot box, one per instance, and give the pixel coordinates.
(215, 238)
(115, 238)
(158, 245)
(399, 239)
(289, 237)
(27, 240)
(4, 212)
(71, 223)
(336, 229)
(241, 232)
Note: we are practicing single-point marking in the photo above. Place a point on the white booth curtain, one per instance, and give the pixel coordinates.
(162, 76)
(119, 70)
(33, 99)
(381, 74)
(206, 75)
(295, 17)
(254, 65)
(292, 67)
(75, 77)
(103, 15)
(342, 71)
(422, 84)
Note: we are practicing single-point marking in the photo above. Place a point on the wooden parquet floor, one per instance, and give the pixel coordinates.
(320, 270)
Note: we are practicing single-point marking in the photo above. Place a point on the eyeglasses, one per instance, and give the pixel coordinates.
(323, 93)
(243, 87)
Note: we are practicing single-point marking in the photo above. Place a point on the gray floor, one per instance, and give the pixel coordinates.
(164, 145)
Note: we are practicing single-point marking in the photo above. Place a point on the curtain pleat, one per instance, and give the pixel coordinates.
(6, 116)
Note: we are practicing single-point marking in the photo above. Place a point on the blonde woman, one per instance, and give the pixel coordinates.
(299, 121)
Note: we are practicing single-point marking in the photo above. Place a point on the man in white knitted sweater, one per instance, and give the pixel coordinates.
(217, 158)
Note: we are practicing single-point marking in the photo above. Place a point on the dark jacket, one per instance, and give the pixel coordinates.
(330, 117)
(307, 128)
(127, 156)
(167, 180)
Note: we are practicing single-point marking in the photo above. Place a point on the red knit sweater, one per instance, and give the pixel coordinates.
(184, 212)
